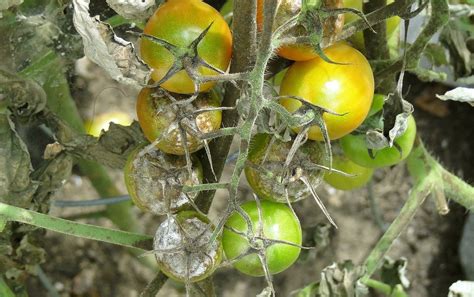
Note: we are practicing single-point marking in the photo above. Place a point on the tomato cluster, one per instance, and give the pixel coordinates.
(187, 39)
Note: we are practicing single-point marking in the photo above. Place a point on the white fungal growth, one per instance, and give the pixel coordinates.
(133, 9)
(158, 179)
(183, 250)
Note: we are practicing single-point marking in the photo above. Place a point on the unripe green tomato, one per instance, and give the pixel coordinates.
(361, 175)
(101, 122)
(279, 223)
(180, 22)
(182, 247)
(355, 148)
(157, 115)
(272, 187)
(358, 38)
(154, 180)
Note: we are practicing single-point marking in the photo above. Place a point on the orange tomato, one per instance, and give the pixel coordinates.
(287, 9)
(180, 22)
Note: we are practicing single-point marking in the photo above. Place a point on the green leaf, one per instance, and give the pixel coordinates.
(309, 291)
(393, 272)
(436, 53)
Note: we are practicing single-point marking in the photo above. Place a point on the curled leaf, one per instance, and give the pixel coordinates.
(114, 54)
(16, 187)
(133, 9)
(459, 94)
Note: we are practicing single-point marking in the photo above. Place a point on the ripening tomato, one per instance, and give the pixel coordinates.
(101, 122)
(358, 38)
(289, 8)
(180, 22)
(157, 115)
(344, 89)
(360, 175)
(272, 187)
(279, 223)
(355, 148)
(182, 247)
(154, 179)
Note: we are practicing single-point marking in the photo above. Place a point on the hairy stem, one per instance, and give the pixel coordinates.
(127, 239)
(244, 29)
(415, 199)
(429, 176)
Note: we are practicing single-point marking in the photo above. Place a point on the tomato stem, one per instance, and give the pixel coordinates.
(128, 239)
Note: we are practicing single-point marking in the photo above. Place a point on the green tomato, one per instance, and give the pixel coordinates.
(184, 252)
(361, 175)
(279, 223)
(355, 148)
(377, 104)
(268, 180)
(358, 38)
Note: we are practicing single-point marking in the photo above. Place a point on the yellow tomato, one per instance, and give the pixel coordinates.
(101, 122)
(344, 89)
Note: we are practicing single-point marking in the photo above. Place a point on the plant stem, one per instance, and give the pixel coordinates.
(128, 239)
(415, 199)
(243, 58)
(429, 176)
(154, 286)
(379, 286)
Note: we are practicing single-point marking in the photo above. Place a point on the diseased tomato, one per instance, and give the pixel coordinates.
(358, 38)
(180, 22)
(289, 8)
(344, 89)
(361, 175)
(182, 247)
(154, 180)
(158, 118)
(355, 148)
(267, 179)
(101, 122)
(279, 223)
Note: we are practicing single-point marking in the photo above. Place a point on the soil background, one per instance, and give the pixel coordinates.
(78, 267)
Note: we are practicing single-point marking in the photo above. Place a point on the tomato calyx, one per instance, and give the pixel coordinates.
(186, 59)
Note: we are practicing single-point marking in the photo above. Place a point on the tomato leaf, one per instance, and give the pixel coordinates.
(16, 187)
(393, 272)
(342, 279)
(459, 94)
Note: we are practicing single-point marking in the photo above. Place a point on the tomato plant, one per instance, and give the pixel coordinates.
(358, 38)
(182, 247)
(180, 23)
(355, 148)
(332, 26)
(267, 173)
(278, 222)
(346, 89)
(101, 122)
(359, 175)
(158, 118)
(154, 180)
